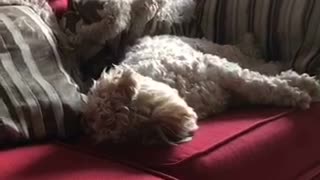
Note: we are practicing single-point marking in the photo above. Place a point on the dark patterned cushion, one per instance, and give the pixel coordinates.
(38, 99)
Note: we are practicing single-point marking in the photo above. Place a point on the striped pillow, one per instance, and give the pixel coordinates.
(38, 99)
(289, 30)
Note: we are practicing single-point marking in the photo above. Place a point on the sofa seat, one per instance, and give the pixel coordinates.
(254, 143)
(56, 162)
(248, 144)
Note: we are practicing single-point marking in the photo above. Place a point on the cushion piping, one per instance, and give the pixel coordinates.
(310, 174)
(231, 138)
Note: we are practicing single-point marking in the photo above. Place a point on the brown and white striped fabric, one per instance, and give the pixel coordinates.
(38, 99)
(288, 30)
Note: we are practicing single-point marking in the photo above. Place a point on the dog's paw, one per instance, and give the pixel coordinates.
(150, 8)
(303, 100)
(176, 121)
(311, 85)
(304, 82)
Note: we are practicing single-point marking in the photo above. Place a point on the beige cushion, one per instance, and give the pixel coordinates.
(38, 99)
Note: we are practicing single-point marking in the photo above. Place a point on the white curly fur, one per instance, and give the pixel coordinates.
(166, 83)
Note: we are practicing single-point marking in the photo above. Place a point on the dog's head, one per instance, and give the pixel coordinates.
(125, 106)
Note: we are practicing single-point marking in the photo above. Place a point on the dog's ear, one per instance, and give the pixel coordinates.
(128, 84)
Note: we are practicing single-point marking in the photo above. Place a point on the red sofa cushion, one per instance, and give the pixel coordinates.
(264, 144)
(59, 6)
(270, 143)
(46, 162)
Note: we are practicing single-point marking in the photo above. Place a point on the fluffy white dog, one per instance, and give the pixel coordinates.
(166, 83)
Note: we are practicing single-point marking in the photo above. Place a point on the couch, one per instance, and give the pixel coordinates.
(251, 143)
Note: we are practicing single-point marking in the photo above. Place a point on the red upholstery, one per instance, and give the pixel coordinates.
(311, 173)
(262, 144)
(59, 6)
(265, 144)
(53, 162)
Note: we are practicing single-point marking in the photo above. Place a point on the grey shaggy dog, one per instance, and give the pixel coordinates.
(106, 21)
(167, 83)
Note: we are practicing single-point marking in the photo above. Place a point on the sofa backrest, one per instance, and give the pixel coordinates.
(288, 30)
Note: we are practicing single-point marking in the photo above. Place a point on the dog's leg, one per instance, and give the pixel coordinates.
(143, 12)
(114, 17)
(304, 82)
(254, 87)
(271, 68)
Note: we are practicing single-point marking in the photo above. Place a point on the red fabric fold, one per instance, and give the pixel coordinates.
(59, 6)
(52, 162)
(264, 143)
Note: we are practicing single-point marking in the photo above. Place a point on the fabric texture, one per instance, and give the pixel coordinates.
(38, 99)
(288, 30)
(44, 10)
(259, 143)
(49, 162)
(59, 6)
